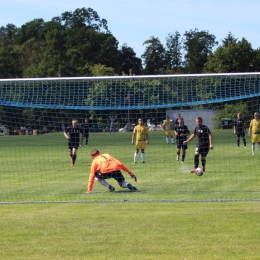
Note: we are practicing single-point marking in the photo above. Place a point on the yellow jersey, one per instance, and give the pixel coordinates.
(255, 126)
(140, 132)
(168, 125)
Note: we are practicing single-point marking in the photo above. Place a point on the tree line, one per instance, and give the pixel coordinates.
(80, 43)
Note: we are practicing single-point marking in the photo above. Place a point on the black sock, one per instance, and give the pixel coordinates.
(196, 161)
(203, 161)
(74, 158)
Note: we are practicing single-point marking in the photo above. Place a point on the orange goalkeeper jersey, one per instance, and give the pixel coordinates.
(104, 163)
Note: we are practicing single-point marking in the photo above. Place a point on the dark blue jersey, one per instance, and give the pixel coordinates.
(203, 133)
(85, 128)
(240, 125)
(182, 132)
(74, 133)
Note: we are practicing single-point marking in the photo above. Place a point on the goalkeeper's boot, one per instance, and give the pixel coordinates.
(193, 171)
(203, 169)
(111, 188)
(131, 187)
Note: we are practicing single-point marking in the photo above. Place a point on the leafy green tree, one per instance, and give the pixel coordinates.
(7, 32)
(46, 58)
(108, 53)
(84, 17)
(234, 57)
(32, 29)
(174, 52)
(52, 58)
(86, 45)
(100, 70)
(129, 60)
(198, 46)
(10, 64)
(154, 56)
(257, 59)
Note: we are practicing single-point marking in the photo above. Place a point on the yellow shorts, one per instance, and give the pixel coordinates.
(140, 145)
(255, 138)
(168, 132)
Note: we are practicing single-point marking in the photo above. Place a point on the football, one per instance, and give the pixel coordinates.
(199, 171)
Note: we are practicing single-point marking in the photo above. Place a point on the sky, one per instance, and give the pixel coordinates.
(135, 21)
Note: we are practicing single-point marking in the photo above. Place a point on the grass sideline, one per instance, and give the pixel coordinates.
(106, 231)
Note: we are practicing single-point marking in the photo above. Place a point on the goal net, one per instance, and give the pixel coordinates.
(35, 160)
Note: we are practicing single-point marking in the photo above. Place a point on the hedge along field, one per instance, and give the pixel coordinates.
(36, 168)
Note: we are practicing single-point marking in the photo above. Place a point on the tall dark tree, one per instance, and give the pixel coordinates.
(257, 59)
(198, 46)
(174, 51)
(10, 63)
(7, 32)
(129, 61)
(154, 56)
(229, 39)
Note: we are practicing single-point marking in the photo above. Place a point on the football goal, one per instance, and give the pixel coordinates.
(35, 158)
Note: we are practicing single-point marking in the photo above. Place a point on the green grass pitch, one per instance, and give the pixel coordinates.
(175, 215)
(36, 168)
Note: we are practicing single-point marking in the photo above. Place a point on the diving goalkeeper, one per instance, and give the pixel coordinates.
(105, 166)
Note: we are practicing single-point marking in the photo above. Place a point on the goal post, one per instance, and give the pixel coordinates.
(35, 162)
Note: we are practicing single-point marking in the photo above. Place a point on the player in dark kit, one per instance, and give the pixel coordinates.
(204, 144)
(74, 137)
(240, 129)
(181, 132)
(85, 131)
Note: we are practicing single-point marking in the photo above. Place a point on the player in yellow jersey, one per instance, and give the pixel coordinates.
(168, 127)
(140, 134)
(254, 130)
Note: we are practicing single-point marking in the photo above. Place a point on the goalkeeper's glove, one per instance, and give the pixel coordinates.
(133, 176)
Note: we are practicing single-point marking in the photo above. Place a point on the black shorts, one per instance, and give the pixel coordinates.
(240, 134)
(86, 135)
(180, 145)
(117, 175)
(203, 151)
(73, 145)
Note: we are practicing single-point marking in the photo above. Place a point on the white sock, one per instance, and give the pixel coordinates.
(172, 140)
(124, 184)
(143, 157)
(135, 157)
(259, 148)
(167, 140)
(253, 148)
(103, 182)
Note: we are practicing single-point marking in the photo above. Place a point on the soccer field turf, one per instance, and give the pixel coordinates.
(132, 231)
(125, 225)
(36, 168)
